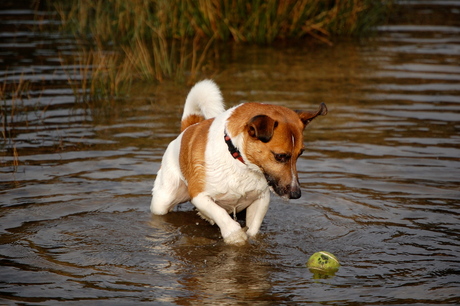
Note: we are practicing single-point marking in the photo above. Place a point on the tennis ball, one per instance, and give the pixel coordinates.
(323, 262)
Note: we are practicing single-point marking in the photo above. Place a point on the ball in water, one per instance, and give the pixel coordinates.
(323, 262)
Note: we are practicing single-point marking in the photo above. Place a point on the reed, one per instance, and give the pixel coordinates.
(97, 74)
(12, 95)
(255, 21)
(157, 39)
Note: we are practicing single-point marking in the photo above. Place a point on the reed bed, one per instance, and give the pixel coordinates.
(12, 95)
(157, 39)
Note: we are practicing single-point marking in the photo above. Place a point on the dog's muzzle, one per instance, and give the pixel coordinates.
(291, 191)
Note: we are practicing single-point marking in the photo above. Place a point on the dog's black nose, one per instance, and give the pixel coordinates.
(295, 192)
(295, 195)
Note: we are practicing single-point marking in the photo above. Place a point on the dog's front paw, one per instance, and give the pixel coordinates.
(237, 238)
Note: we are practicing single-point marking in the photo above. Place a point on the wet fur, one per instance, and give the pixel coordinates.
(198, 167)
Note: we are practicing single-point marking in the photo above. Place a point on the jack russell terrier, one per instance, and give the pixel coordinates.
(228, 161)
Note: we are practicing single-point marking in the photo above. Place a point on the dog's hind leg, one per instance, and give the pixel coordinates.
(255, 214)
(168, 191)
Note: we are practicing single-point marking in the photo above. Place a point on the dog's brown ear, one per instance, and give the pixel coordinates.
(262, 127)
(307, 117)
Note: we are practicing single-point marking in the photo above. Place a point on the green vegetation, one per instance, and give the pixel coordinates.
(124, 41)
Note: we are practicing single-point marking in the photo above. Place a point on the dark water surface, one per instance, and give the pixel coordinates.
(380, 177)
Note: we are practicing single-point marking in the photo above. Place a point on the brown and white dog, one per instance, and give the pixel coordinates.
(228, 161)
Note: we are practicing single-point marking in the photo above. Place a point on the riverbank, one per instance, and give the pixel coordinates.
(122, 42)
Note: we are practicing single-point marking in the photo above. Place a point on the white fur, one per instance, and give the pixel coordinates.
(170, 187)
(231, 186)
(204, 99)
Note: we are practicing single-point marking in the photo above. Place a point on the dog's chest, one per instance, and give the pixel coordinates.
(236, 202)
(235, 192)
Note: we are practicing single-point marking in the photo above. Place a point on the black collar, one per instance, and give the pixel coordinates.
(233, 150)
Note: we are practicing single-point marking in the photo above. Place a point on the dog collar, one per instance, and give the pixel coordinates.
(233, 150)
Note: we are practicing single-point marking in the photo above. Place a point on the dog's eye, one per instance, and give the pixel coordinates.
(282, 158)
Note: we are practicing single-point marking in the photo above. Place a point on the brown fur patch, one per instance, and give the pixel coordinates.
(287, 139)
(192, 156)
(190, 120)
(237, 122)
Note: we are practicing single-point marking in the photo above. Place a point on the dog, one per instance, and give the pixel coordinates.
(226, 161)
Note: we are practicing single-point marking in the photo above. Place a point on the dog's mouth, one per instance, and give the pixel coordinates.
(284, 191)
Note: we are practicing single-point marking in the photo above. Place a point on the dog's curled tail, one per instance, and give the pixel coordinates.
(204, 101)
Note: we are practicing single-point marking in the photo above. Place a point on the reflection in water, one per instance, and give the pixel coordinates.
(379, 176)
(212, 271)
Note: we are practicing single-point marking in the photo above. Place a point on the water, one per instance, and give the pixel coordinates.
(380, 177)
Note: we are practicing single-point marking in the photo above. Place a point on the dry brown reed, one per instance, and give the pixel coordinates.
(124, 41)
(12, 95)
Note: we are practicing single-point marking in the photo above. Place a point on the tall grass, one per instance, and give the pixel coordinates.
(157, 39)
(12, 95)
(95, 74)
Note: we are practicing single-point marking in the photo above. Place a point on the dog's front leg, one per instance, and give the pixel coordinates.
(255, 213)
(231, 231)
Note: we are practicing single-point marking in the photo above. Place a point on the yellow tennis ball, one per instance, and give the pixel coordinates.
(323, 262)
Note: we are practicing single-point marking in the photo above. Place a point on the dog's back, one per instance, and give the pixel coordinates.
(203, 102)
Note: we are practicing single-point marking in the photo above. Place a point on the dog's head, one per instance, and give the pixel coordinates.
(274, 141)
